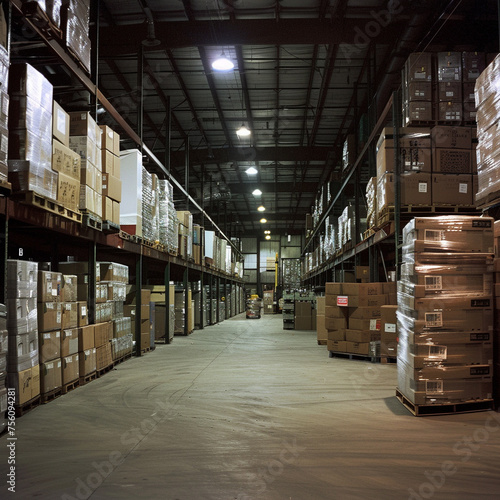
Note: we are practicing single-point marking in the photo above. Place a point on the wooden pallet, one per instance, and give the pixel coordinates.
(322, 342)
(51, 395)
(351, 356)
(444, 409)
(42, 21)
(123, 358)
(77, 59)
(88, 378)
(71, 386)
(109, 227)
(92, 220)
(368, 233)
(26, 407)
(34, 199)
(103, 371)
(387, 214)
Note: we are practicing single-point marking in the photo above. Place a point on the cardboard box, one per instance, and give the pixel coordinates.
(336, 312)
(415, 190)
(60, 124)
(110, 140)
(86, 337)
(108, 162)
(336, 323)
(145, 340)
(418, 111)
(372, 324)
(69, 342)
(320, 306)
(70, 368)
(104, 356)
(49, 346)
(82, 124)
(452, 161)
(419, 67)
(362, 336)
(69, 288)
(50, 375)
(450, 111)
(68, 191)
(69, 315)
(337, 346)
(112, 187)
(49, 316)
(49, 286)
(107, 208)
(362, 272)
(87, 361)
(88, 175)
(419, 91)
(366, 313)
(65, 160)
(103, 333)
(303, 323)
(333, 288)
(365, 300)
(116, 212)
(26, 383)
(363, 289)
(321, 331)
(85, 147)
(449, 137)
(450, 91)
(388, 344)
(361, 348)
(448, 189)
(336, 335)
(83, 318)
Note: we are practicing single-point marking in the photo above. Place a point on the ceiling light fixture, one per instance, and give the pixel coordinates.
(262, 208)
(268, 236)
(222, 63)
(256, 192)
(263, 221)
(267, 231)
(251, 171)
(243, 131)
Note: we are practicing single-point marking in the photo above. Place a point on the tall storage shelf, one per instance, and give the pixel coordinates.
(32, 232)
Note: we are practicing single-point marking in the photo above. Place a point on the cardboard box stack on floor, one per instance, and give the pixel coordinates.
(49, 330)
(130, 311)
(488, 133)
(76, 280)
(23, 369)
(353, 313)
(85, 140)
(322, 332)
(30, 132)
(4, 345)
(111, 174)
(162, 310)
(445, 310)
(113, 280)
(74, 313)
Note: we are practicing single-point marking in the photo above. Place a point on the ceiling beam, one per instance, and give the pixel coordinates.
(253, 154)
(124, 39)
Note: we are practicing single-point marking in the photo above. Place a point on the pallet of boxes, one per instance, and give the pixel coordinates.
(23, 369)
(445, 315)
(140, 314)
(353, 315)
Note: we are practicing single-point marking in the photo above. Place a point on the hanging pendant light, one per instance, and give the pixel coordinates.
(243, 131)
(222, 63)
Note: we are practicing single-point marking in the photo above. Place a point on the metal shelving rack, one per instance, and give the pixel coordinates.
(149, 265)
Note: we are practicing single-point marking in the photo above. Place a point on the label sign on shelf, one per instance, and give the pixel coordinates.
(342, 301)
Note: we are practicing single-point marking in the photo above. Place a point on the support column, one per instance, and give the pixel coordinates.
(166, 281)
(138, 304)
(92, 262)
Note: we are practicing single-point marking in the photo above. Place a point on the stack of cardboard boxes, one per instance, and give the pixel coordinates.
(169, 229)
(49, 330)
(23, 369)
(30, 132)
(445, 95)
(85, 140)
(445, 310)
(76, 14)
(198, 246)
(487, 98)
(150, 207)
(163, 310)
(353, 313)
(113, 279)
(130, 311)
(185, 234)
(304, 315)
(111, 183)
(322, 332)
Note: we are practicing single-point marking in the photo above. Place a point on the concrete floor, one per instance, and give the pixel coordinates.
(246, 410)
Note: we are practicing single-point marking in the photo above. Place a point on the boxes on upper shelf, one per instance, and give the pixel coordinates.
(60, 124)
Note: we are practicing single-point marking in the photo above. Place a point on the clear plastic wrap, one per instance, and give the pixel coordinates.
(371, 202)
(488, 82)
(25, 175)
(451, 233)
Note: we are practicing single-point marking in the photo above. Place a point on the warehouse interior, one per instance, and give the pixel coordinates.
(250, 250)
